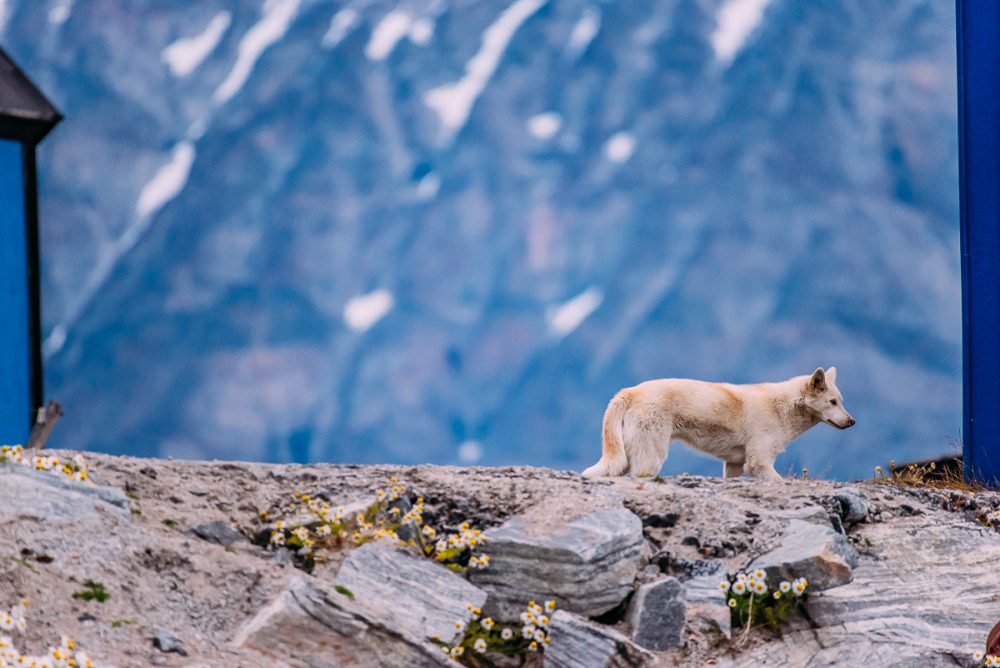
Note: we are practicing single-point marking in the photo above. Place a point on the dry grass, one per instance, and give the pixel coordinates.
(947, 474)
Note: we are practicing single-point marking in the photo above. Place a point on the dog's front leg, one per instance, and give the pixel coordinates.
(732, 470)
(761, 466)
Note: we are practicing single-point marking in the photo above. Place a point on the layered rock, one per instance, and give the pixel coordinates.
(580, 643)
(587, 565)
(807, 550)
(310, 626)
(409, 592)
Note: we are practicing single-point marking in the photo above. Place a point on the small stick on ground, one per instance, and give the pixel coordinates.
(47, 417)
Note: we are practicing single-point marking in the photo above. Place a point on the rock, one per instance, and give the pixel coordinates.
(309, 627)
(707, 612)
(218, 532)
(580, 643)
(426, 597)
(657, 614)
(819, 554)
(53, 497)
(853, 505)
(587, 565)
(166, 640)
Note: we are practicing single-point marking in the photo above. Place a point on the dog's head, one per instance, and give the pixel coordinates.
(823, 398)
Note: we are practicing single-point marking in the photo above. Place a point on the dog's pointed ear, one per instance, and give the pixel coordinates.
(817, 381)
(831, 375)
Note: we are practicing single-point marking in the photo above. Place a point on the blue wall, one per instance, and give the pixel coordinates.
(15, 394)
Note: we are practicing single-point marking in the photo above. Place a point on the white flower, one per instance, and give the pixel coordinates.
(479, 645)
(785, 586)
(487, 623)
(732, 603)
(741, 577)
(507, 634)
(539, 635)
(977, 657)
(739, 588)
(724, 586)
(550, 606)
(760, 574)
(527, 631)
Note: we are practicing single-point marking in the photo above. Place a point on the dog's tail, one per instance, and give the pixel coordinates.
(614, 461)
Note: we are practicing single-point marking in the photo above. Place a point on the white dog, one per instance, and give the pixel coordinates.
(743, 425)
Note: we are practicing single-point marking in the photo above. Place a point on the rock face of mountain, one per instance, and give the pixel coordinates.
(449, 231)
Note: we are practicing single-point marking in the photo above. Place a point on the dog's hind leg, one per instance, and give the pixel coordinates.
(647, 450)
(732, 469)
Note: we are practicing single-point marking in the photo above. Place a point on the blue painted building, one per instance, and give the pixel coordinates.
(25, 118)
(978, 24)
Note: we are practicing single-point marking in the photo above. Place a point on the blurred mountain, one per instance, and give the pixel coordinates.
(448, 230)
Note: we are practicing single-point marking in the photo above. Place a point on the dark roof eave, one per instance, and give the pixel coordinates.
(26, 130)
(27, 124)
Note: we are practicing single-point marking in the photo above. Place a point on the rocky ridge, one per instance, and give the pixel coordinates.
(898, 576)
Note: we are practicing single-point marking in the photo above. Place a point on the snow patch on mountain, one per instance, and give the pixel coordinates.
(272, 26)
(569, 315)
(185, 55)
(620, 147)
(735, 21)
(453, 102)
(341, 25)
(363, 311)
(584, 31)
(61, 11)
(544, 126)
(393, 27)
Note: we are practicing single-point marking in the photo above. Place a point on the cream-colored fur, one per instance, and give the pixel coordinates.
(746, 426)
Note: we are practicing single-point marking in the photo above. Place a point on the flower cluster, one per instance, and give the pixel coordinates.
(983, 659)
(482, 635)
(452, 549)
(74, 468)
(753, 602)
(390, 518)
(65, 655)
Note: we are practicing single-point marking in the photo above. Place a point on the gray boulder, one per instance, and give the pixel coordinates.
(166, 640)
(307, 626)
(819, 554)
(53, 497)
(416, 594)
(657, 613)
(587, 565)
(580, 643)
(218, 532)
(852, 505)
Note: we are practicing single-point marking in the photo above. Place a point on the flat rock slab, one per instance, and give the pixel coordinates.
(581, 643)
(53, 497)
(309, 627)
(417, 594)
(819, 554)
(587, 565)
(657, 613)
